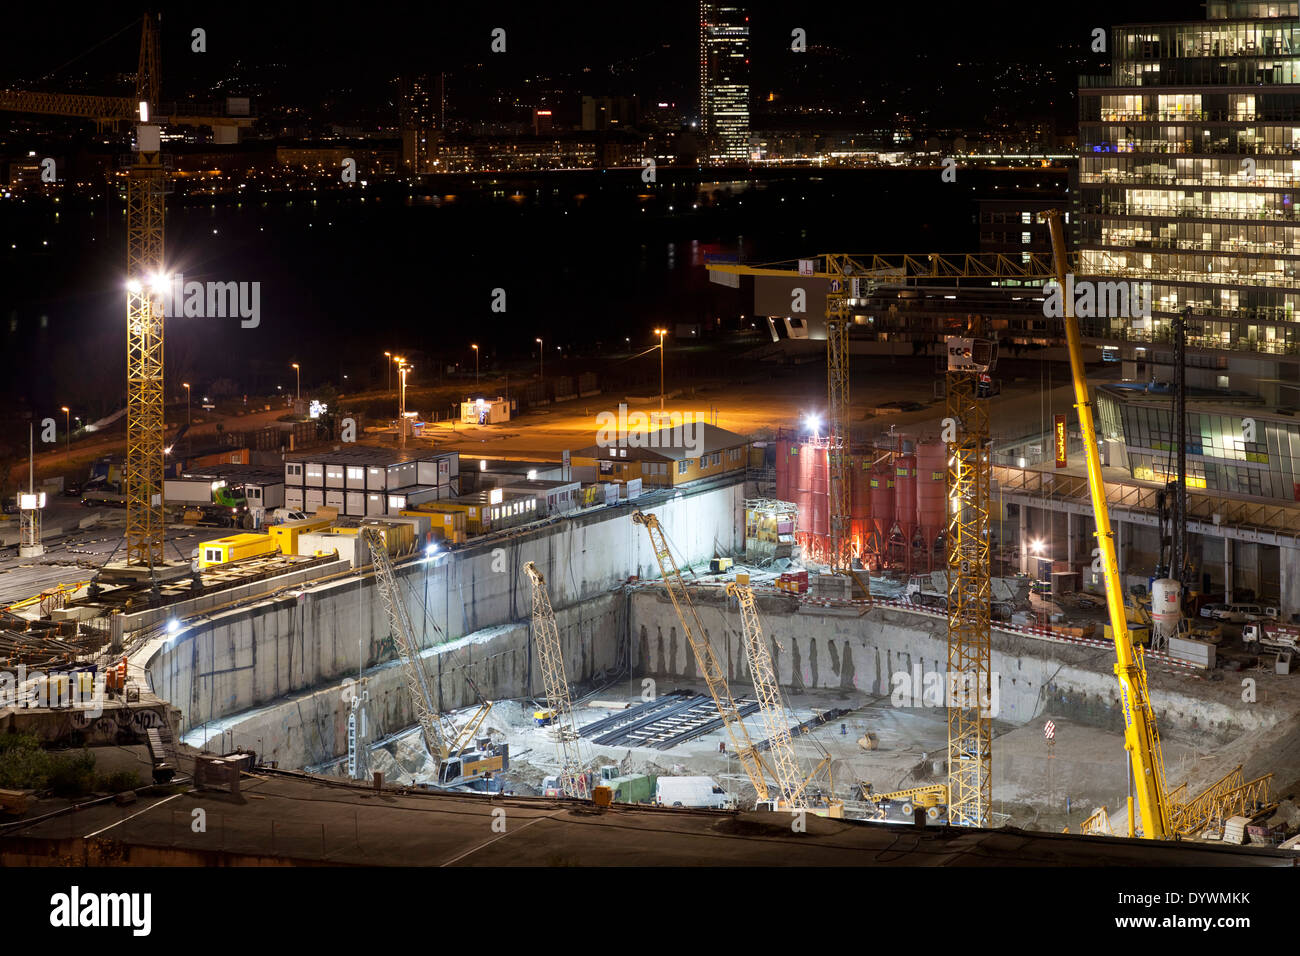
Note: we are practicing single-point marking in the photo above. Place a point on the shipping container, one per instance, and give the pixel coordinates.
(237, 547)
(448, 526)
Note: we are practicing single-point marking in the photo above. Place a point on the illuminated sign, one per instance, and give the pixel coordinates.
(1059, 437)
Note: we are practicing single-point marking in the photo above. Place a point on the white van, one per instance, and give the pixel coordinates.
(1245, 613)
(700, 792)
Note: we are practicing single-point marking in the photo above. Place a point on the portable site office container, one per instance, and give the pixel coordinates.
(286, 533)
(478, 519)
(553, 497)
(499, 509)
(446, 526)
(421, 526)
(236, 547)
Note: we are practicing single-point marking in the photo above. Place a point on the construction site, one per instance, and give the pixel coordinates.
(801, 630)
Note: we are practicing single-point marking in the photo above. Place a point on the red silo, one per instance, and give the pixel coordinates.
(801, 476)
(882, 507)
(931, 494)
(821, 491)
(783, 484)
(905, 500)
(860, 509)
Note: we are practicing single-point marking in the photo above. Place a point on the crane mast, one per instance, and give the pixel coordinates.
(705, 659)
(546, 635)
(1141, 739)
(970, 736)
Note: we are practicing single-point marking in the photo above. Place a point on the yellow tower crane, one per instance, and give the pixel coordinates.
(850, 279)
(1141, 739)
(546, 636)
(145, 275)
(970, 736)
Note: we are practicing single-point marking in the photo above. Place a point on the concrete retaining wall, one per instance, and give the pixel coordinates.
(308, 639)
(827, 648)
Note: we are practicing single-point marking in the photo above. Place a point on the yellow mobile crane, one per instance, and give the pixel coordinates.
(716, 680)
(546, 635)
(450, 749)
(1140, 737)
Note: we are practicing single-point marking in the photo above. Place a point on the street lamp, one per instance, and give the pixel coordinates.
(186, 386)
(661, 333)
(389, 363)
(297, 371)
(475, 348)
(541, 363)
(67, 418)
(403, 368)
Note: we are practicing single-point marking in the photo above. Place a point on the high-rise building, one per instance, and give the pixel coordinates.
(421, 110)
(1188, 177)
(724, 79)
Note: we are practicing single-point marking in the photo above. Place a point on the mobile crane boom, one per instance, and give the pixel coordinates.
(550, 655)
(1140, 737)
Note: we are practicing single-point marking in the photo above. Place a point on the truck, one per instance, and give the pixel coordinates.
(1283, 637)
(101, 491)
(203, 502)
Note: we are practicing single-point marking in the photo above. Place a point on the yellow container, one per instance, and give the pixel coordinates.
(286, 533)
(446, 526)
(236, 547)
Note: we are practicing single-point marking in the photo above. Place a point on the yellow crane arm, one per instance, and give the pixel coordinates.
(1140, 737)
(705, 659)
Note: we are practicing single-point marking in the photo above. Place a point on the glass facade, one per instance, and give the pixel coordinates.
(724, 79)
(1218, 456)
(1189, 176)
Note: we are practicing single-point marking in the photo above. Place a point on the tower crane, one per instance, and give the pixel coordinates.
(970, 734)
(689, 617)
(145, 186)
(546, 635)
(450, 749)
(851, 278)
(1141, 739)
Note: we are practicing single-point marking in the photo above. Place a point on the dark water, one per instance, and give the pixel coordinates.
(586, 260)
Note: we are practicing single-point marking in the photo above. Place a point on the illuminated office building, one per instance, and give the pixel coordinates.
(724, 80)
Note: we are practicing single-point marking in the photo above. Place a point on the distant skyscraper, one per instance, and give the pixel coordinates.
(421, 108)
(724, 79)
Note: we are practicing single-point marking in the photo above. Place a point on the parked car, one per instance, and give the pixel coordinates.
(1212, 610)
(1241, 613)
